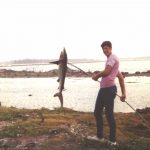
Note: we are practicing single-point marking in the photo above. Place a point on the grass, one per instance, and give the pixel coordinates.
(65, 128)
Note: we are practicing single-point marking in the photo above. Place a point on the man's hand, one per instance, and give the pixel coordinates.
(95, 76)
(122, 98)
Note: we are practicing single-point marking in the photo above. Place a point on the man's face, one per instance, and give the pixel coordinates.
(107, 50)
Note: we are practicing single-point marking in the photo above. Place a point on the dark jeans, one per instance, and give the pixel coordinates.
(105, 99)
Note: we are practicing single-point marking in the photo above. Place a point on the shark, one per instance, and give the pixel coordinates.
(62, 69)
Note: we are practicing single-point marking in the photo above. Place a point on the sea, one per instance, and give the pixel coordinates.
(80, 92)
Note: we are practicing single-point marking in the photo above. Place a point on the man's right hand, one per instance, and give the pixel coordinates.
(95, 76)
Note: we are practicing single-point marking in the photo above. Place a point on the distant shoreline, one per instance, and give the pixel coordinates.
(4, 73)
(26, 62)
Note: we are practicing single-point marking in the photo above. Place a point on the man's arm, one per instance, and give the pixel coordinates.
(103, 73)
(122, 86)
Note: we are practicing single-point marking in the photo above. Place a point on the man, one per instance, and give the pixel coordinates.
(107, 93)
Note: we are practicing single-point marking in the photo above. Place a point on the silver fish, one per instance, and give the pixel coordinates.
(62, 69)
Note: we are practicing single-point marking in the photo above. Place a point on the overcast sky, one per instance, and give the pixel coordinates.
(41, 28)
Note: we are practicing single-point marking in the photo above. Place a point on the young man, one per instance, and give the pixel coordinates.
(107, 93)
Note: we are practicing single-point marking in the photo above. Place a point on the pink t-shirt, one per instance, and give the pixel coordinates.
(109, 80)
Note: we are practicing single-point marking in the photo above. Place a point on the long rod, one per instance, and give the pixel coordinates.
(145, 122)
(78, 68)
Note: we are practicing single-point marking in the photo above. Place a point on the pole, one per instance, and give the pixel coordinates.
(78, 68)
(144, 121)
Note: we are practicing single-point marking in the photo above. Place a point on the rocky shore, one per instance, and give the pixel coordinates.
(4, 73)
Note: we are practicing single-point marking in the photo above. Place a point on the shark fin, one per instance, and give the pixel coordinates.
(55, 62)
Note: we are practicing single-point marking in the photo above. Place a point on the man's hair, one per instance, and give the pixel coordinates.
(106, 43)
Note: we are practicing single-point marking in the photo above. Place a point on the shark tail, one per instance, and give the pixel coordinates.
(60, 96)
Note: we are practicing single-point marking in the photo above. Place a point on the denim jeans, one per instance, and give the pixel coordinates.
(105, 99)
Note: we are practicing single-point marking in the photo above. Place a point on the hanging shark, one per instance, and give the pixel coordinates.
(62, 69)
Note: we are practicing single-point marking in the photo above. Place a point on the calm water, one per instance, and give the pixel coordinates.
(79, 93)
(125, 66)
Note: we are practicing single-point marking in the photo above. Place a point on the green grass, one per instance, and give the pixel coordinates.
(57, 125)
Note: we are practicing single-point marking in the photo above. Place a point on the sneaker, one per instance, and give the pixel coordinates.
(113, 143)
(95, 138)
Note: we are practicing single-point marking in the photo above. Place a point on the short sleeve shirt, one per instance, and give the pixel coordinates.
(109, 80)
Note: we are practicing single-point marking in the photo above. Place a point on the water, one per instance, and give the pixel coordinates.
(80, 93)
(125, 66)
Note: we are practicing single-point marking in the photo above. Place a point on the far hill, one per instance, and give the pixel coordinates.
(43, 61)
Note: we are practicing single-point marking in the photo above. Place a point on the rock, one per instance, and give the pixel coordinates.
(137, 72)
(53, 131)
(144, 110)
(9, 143)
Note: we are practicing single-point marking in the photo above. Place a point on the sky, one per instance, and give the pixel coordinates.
(40, 29)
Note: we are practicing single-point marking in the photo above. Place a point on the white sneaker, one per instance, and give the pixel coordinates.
(95, 138)
(113, 143)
